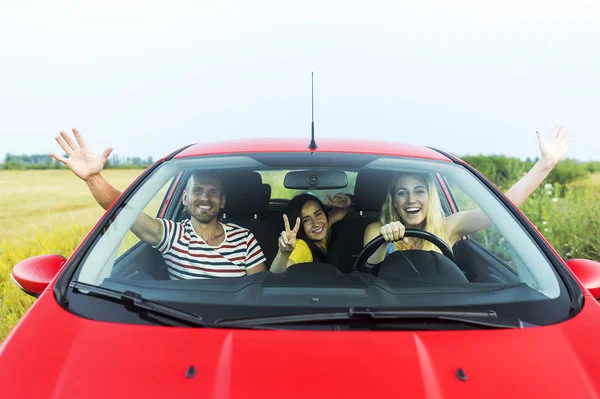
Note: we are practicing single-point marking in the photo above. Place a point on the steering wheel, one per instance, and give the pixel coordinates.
(376, 242)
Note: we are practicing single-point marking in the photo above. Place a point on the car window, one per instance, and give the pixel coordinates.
(278, 192)
(151, 209)
(506, 260)
(490, 238)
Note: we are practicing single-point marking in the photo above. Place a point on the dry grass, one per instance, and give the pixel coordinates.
(591, 181)
(42, 212)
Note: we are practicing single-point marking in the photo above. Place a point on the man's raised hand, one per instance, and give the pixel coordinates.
(80, 159)
(287, 240)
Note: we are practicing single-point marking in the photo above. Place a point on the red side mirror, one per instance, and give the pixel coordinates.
(33, 275)
(588, 272)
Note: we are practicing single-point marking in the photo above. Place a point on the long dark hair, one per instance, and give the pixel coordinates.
(294, 210)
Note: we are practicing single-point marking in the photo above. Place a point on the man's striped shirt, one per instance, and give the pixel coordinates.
(188, 256)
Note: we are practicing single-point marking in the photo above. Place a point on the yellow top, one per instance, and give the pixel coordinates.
(302, 253)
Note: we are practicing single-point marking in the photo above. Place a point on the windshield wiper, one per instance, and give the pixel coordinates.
(137, 301)
(482, 319)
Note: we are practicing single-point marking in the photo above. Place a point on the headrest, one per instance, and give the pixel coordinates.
(370, 190)
(246, 193)
(232, 180)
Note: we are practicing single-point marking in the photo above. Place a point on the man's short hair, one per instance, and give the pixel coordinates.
(207, 174)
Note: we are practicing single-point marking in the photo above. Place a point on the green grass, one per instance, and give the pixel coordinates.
(569, 217)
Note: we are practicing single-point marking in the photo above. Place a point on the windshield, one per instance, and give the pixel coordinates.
(235, 269)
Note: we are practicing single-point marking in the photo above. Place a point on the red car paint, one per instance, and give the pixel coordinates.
(52, 353)
(55, 354)
(169, 197)
(300, 145)
(33, 274)
(587, 273)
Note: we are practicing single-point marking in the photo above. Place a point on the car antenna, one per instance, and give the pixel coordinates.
(313, 145)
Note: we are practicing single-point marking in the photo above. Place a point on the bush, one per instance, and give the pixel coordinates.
(568, 171)
(565, 209)
(569, 221)
(504, 171)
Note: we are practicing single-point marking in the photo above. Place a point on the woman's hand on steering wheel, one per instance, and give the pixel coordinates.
(287, 239)
(393, 232)
(378, 241)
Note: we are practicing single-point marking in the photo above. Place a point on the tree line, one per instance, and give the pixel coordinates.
(502, 170)
(45, 161)
(505, 171)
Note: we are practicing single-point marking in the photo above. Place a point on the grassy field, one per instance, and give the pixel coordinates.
(42, 212)
(50, 211)
(569, 217)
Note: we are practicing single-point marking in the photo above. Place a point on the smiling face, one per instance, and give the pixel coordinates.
(411, 200)
(204, 197)
(314, 221)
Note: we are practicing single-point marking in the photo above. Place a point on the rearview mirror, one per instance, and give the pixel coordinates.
(315, 180)
(588, 272)
(33, 275)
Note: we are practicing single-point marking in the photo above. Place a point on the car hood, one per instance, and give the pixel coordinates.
(60, 355)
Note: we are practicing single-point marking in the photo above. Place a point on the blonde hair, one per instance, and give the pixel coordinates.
(434, 219)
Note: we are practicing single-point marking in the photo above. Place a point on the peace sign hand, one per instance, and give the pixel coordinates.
(287, 240)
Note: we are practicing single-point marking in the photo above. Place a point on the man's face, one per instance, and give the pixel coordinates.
(204, 197)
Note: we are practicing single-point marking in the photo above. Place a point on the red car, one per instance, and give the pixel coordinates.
(499, 314)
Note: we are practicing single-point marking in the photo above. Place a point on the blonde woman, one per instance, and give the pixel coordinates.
(413, 202)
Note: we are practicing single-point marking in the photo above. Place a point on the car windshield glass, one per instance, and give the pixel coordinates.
(465, 249)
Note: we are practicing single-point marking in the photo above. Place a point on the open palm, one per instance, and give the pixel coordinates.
(80, 159)
(556, 147)
(340, 200)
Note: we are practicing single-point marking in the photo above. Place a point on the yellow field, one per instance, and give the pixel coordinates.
(42, 212)
(592, 181)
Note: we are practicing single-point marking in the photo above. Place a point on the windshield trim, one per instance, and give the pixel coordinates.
(574, 291)
(74, 262)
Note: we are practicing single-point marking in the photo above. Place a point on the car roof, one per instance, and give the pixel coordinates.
(301, 145)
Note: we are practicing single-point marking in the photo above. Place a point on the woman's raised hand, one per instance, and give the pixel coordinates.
(393, 231)
(556, 147)
(81, 160)
(287, 240)
(340, 200)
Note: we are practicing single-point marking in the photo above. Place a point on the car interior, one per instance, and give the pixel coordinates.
(250, 205)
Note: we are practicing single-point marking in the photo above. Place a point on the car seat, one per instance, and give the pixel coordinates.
(247, 199)
(346, 240)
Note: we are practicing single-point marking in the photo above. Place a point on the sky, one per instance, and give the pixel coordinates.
(147, 77)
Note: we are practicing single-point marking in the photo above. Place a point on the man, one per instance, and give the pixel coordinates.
(199, 247)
